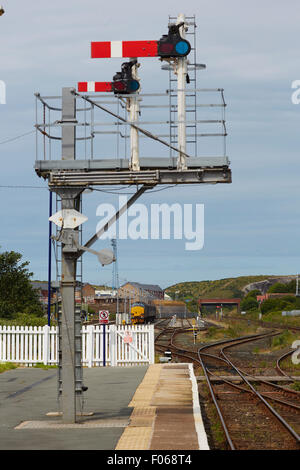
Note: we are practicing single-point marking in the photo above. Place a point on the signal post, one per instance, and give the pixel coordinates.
(68, 176)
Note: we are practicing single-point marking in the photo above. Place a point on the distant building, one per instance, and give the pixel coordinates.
(42, 290)
(219, 302)
(88, 294)
(138, 292)
(168, 308)
(273, 295)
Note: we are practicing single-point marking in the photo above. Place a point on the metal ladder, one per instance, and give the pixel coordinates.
(191, 96)
(79, 280)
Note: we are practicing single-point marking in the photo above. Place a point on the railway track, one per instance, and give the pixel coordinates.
(254, 415)
(266, 421)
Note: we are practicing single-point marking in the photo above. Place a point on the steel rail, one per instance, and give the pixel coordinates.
(242, 389)
(258, 394)
(263, 396)
(206, 371)
(289, 353)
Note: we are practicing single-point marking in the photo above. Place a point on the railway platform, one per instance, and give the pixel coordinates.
(127, 408)
(166, 412)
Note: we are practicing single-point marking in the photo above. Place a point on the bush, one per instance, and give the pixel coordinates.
(287, 303)
(252, 294)
(249, 303)
(282, 340)
(16, 291)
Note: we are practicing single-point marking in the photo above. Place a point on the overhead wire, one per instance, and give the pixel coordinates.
(17, 137)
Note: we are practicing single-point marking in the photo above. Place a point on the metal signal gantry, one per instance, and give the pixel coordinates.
(171, 47)
(69, 174)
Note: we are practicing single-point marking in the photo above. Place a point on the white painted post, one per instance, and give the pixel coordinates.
(90, 345)
(181, 101)
(4, 357)
(134, 108)
(46, 333)
(113, 345)
(151, 345)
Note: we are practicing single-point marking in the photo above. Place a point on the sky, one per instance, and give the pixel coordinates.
(250, 49)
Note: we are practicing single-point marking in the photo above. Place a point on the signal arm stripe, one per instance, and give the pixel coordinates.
(90, 86)
(116, 49)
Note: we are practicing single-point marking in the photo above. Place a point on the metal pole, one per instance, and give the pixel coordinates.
(134, 109)
(181, 101)
(49, 259)
(70, 367)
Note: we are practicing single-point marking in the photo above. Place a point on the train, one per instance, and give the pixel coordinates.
(142, 312)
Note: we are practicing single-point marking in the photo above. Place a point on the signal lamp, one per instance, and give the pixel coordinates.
(123, 82)
(172, 44)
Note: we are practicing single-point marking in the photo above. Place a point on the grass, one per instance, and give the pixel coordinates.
(43, 366)
(283, 340)
(215, 427)
(296, 386)
(276, 317)
(4, 366)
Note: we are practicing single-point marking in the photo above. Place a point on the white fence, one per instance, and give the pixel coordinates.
(33, 345)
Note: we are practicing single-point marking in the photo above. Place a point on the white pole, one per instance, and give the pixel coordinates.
(181, 101)
(134, 109)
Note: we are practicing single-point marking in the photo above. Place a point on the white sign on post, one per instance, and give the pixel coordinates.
(127, 337)
(103, 317)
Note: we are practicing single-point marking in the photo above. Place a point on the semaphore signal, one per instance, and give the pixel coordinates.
(123, 82)
(170, 45)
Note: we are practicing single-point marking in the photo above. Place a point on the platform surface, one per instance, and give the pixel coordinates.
(28, 394)
(166, 413)
(126, 408)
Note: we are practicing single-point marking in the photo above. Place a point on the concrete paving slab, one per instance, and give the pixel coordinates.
(28, 394)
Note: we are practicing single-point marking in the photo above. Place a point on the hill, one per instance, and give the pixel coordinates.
(229, 287)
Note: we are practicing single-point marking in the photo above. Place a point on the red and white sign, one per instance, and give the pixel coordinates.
(127, 337)
(103, 317)
(108, 49)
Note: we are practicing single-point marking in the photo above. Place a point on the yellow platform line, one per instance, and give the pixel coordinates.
(137, 435)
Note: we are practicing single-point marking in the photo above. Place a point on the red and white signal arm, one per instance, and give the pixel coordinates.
(109, 49)
(103, 316)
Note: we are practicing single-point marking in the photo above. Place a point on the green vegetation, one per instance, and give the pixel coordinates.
(22, 319)
(249, 303)
(279, 287)
(4, 366)
(227, 288)
(271, 309)
(16, 292)
(286, 338)
(296, 386)
(43, 366)
(283, 303)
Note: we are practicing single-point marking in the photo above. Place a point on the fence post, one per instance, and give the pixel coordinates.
(46, 342)
(90, 345)
(151, 344)
(113, 345)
